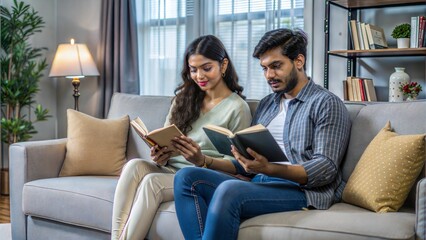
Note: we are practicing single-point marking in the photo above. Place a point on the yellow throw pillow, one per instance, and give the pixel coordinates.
(94, 146)
(386, 171)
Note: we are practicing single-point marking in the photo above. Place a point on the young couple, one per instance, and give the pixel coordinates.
(309, 123)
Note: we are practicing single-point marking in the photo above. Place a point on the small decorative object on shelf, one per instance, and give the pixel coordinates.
(411, 90)
(396, 79)
(402, 35)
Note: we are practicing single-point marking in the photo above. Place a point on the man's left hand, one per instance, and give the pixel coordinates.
(258, 165)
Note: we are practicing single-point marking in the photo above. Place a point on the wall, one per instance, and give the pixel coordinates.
(47, 95)
(78, 19)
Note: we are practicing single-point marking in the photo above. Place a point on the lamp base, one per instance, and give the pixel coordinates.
(76, 83)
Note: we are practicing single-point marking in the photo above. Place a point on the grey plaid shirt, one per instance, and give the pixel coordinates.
(316, 134)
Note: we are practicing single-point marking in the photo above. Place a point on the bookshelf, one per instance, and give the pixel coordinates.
(353, 9)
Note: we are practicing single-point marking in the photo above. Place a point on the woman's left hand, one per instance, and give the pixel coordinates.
(189, 149)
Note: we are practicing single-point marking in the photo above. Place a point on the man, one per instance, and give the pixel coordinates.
(309, 123)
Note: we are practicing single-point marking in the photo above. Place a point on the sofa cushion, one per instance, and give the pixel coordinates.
(341, 221)
(386, 171)
(95, 146)
(82, 200)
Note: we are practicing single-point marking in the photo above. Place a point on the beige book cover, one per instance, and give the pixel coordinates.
(161, 136)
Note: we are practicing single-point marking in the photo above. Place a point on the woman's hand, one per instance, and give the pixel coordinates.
(160, 155)
(189, 149)
(258, 165)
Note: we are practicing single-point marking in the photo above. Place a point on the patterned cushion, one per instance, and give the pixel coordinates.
(386, 171)
(95, 146)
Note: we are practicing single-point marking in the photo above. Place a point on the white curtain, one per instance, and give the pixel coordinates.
(165, 27)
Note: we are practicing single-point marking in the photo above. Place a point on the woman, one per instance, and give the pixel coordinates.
(209, 94)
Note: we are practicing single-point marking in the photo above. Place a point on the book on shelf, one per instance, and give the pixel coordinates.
(161, 136)
(354, 34)
(376, 36)
(256, 137)
(360, 89)
(365, 37)
(345, 90)
(422, 30)
(360, 37)
(413, 32)
(417, 32)
(349, 90)
(370, 90)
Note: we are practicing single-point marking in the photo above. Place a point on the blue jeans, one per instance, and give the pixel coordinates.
(211, 204)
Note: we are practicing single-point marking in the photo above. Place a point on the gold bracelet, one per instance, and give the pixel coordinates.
(204, 164)
(211, 162)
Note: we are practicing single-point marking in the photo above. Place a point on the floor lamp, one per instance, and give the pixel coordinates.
(73, 61)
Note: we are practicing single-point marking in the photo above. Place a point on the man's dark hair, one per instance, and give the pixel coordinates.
(291, 42)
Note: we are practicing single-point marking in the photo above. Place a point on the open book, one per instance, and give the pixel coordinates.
(161, 136)
(255, 137)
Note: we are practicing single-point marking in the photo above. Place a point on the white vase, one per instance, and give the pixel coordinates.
(403, 42)
(395, 80)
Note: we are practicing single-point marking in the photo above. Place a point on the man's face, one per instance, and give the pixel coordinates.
(279, 71)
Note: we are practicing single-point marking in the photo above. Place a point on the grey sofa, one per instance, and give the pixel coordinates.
(45, 206)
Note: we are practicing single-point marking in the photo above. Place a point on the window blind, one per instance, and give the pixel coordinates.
(241, 24)
(167, 26)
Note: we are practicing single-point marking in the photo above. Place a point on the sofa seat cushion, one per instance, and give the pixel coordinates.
(341, 221)
(81, 200)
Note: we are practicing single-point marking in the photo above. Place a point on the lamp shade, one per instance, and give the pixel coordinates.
(73, 60)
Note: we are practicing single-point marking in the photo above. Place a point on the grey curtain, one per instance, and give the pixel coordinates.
(119, 50)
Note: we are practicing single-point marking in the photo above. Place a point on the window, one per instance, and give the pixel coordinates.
(162, 27)
(167, 26)
(241, 24)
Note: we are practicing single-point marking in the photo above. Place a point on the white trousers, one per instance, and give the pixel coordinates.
(141, 188)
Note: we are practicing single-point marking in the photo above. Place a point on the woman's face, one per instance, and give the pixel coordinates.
(206, 73)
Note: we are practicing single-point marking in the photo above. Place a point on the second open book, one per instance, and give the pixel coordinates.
(161, 136)
(257, 137)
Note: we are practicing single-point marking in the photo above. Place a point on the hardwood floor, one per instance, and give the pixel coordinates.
(4, 209)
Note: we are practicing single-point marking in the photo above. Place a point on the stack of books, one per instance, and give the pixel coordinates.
(417, 33)
(359, 89)
(365, 36)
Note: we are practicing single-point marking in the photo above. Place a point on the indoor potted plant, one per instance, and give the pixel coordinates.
(402, 35)
(21, 67)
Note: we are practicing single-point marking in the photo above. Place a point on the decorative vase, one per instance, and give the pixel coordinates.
(395, 80)
(412, 97)
(403, 42)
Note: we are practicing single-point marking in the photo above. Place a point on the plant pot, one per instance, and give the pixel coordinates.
(403, 42)
(4, 181)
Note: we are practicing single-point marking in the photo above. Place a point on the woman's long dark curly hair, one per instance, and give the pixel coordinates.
(189, 97)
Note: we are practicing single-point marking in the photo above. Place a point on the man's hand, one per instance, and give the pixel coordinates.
(258, 165)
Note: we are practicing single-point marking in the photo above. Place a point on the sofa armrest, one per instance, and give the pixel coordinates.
(421, 210)
(29, 161)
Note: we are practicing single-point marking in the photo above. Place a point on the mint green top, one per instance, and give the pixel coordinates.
(232, 113)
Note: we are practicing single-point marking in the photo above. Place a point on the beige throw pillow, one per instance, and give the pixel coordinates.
(386, 171)
(94, 146)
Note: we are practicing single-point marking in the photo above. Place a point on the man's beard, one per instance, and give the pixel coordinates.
(291, 81)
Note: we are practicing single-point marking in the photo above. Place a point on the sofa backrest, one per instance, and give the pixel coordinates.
(367, 120)
(152, 110)
(405, 118)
